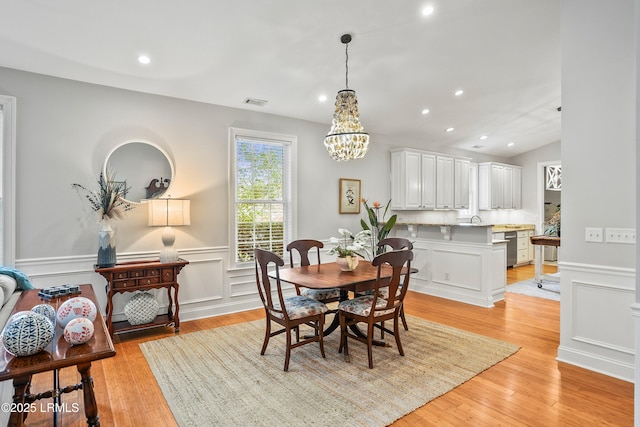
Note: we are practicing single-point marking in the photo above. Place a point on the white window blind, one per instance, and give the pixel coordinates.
(261, 189)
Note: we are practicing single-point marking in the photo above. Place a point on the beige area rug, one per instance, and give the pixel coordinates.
(218, 377)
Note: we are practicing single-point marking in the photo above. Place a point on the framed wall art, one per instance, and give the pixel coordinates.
(349, 196)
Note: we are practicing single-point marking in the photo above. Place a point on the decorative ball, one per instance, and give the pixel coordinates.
(27, 333)
(74, 308)
(78, 330)
(141, 309)
(46, 310)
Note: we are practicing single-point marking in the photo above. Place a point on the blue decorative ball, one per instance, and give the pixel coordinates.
(46, 310)
(27, 333)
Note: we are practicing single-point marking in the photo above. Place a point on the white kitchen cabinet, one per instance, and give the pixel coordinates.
(525, 248)
(461, 183)
(413, 177)
(499, 186)
(517, 188)
(444, 182)
(425, 180)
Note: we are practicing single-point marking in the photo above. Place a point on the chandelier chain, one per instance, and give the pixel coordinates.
(346, 65)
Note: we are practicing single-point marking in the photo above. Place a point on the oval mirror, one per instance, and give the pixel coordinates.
(145, 168)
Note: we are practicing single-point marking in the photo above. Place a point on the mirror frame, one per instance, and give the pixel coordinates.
(142, 141)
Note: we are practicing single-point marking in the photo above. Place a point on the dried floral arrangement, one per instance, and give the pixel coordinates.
(108, 201)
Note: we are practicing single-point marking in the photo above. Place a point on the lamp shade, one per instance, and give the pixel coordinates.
(169, 212)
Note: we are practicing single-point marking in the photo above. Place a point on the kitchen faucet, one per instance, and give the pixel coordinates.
(473, 217)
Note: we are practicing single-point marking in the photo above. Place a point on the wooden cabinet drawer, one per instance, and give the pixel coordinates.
(148, 281)
(152, 273)
(167, 275)
(119, 275)
(136, 273)
(124, 284)
(523, 234)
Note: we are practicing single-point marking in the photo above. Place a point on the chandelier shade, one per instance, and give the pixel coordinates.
(347, 139)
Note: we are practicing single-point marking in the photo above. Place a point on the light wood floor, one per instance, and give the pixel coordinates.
(528, 389)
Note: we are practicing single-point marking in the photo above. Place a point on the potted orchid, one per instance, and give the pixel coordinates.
(349, 247)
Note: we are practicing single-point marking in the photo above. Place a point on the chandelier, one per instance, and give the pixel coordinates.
(347, 139)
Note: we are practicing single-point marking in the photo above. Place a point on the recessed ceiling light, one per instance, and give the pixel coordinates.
(425, 111)
(449, 129)
(483, 137)
(427, 10)
(144, 59)
(322, 98)
(511, 144)
(458, 92)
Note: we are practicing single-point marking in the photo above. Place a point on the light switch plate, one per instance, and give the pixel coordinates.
(620, 235)
(593, 234)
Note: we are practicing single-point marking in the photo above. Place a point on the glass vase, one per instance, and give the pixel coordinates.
(106, 245)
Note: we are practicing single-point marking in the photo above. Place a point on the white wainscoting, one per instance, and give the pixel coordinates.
(207, 287)
(466, 272)
(596, 321)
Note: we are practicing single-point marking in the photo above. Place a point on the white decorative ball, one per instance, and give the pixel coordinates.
(141, 309)
(46, 310)
(74, 308)
(27, 333)
(78, 330)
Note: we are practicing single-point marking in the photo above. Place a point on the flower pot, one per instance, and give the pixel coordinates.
(348, 263)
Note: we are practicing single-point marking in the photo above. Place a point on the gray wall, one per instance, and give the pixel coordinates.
(598, 128)
(66, 129)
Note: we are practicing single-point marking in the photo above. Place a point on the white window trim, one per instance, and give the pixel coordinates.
(292, 140)
(8, 187)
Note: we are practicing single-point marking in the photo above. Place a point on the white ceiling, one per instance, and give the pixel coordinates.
(505, 55)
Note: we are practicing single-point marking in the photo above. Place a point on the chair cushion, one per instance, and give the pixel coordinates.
(383, 292)
(300, 306)
(321, 294)
(362, 306)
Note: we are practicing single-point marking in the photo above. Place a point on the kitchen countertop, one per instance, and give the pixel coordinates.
(498, 228)
(451, 224)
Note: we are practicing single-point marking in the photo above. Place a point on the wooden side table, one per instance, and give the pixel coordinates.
(142, 276)
(57, 355)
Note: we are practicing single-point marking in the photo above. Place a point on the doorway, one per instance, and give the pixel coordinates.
(549, 205)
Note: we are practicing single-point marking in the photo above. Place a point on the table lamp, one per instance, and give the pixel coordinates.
(169, 213)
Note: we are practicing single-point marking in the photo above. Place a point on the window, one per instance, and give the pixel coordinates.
(262, 187)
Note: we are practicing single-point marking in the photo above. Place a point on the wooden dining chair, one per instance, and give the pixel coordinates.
(290, 312)
(396, 244)
(373, 309)
(303, 247)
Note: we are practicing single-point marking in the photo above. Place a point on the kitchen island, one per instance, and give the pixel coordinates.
(461, 262)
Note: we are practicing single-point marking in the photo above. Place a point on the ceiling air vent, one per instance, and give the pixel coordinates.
(254, 101)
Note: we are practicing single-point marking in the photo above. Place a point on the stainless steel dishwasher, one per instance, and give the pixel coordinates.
(512, 247)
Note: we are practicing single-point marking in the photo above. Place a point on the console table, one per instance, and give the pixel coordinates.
(141, 276)
(57, 355)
